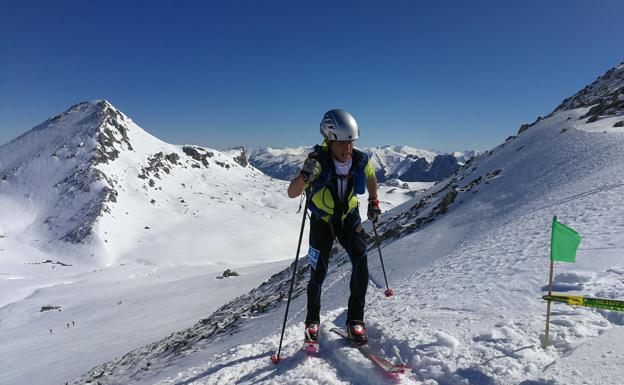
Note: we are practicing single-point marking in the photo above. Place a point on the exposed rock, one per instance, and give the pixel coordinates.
(113, 134)
(241, 158)
(605, 96)
(157, 163)
(83, 180)
(229, 273)
(49, 308)
(198, 154)
(173, 158)
(470, 185)
(446, 202)
(525, 126)
(89, 213)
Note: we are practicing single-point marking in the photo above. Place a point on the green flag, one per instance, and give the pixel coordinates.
(563, 243)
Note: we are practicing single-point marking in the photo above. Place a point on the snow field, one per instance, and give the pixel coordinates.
(113, 309)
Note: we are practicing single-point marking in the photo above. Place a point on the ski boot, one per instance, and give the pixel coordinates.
(310, 343)
(357, 332)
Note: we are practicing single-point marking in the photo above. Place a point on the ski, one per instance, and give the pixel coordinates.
(385, 365)
(310, 342)
(311, 347)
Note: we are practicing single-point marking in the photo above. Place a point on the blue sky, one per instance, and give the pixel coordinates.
(443, 75)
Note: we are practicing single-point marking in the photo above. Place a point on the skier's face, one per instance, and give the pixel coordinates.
(341, 150)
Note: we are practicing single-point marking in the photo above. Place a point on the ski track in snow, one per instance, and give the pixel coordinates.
(336, 363)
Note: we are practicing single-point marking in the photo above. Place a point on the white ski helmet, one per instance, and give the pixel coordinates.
(339, 125)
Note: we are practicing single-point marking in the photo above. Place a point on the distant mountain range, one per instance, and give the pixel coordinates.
(391, 162)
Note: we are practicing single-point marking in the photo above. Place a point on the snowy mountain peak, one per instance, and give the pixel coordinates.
(605, 96)
(107, 125)
(51, 171)
(90, 114)
(81, 174)
(92, 128)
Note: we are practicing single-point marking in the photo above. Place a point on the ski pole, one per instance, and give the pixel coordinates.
(276, 358)
(388, 291)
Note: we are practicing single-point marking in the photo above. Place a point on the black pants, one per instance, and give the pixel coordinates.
(352, 237)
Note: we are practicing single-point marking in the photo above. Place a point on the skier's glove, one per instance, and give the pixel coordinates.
(373, 210)
(308, 171)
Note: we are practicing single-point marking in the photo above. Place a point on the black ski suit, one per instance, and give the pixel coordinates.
(352, 237)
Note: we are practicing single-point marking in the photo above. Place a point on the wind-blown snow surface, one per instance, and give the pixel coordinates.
(468, 261)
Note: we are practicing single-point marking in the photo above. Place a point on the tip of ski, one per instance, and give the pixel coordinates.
(311, 347)
(392, 370)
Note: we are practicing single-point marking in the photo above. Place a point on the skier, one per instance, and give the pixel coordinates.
(334, 173)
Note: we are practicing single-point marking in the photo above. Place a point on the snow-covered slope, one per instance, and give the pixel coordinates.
(390, 162)
(468, 260)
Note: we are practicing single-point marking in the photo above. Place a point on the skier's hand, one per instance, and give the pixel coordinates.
(309, 170)
(373, 209)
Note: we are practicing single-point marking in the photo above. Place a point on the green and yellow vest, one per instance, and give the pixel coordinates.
(323, 197)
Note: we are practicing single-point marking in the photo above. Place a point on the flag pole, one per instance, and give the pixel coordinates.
(550, 284)
(548, 304)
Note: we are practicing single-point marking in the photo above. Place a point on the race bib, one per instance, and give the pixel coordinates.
(313, 255)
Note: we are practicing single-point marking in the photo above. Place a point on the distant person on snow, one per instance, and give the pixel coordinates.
(334, 173)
